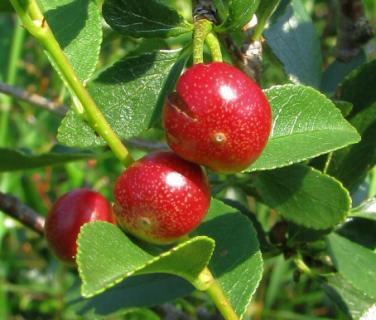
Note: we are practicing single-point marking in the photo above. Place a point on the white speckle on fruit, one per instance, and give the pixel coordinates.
(174, 179)
(227, 93)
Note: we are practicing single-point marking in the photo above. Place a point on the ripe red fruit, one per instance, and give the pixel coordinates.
(217, 117)
(161, 197)
(68, 214)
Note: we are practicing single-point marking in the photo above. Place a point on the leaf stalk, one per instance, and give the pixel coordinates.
(206, 282)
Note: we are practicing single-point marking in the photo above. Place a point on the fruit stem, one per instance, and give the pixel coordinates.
(214, 46)
(206, 282)
(202, 28)
(302, 266)
(34, 21)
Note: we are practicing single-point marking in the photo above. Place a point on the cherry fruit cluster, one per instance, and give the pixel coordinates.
(218, 118)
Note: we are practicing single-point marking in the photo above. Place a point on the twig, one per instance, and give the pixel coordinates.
(147, 145)
(32, 98)
(60, 110)
(203, 9)
(248, 58)
(354, 29)
(19, 211)
(252, 59)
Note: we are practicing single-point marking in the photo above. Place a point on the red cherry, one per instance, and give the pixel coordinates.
(68, 214)
(161, 197)
(218, 117)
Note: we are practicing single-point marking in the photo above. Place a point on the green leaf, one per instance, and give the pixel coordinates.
(139, 314)
(305, 125)
(298, 234)
(12, 159)
(5, 6)
(354, 303)
(265, 245)
(338, 70)
(221, 7)
(360, 231)
(355, 263)
(264, 12)
(359, 87)
(139, 291)
(293, 40)
(350, 165)
(304, 196)
(130, 94)
(366, 210)
(142, 314)
(144, 18)
(236, 263)
(235, 13)
(78, 29)
(106, 256)
(345, 107)
(5, 41)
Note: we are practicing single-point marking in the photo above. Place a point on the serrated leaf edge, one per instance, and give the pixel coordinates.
(259, 254)
(260, 267)
(289, 163)
(98, 21)
(341, 186)
(261, 270)
(98, 18)
(122, 278)
(133, 55)
(312, 90)
(250, 169)
(324, 281)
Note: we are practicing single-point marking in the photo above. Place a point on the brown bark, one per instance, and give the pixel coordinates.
(354, 30)
(19, 211)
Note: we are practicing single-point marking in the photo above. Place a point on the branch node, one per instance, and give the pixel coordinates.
(252, 59)
(204, 9)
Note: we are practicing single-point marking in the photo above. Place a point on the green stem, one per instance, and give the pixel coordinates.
(201, 29)
(206, 282)
(372, 183)
(5, 139)
(34, 10)
(214, 46)
(302, 266)
(327, 162)
(34, 22)
(24, 16)
(14, 56)
(264, 12)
